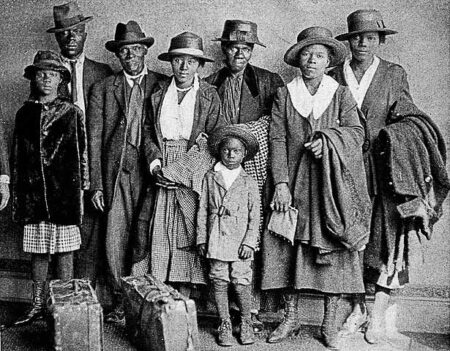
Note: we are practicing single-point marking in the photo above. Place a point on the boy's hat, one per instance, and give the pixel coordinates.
(233, 131)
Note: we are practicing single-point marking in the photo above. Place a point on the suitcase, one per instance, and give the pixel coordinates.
(75, 316)
(158, 317)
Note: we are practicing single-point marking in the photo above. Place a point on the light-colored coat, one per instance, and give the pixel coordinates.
(239, 222)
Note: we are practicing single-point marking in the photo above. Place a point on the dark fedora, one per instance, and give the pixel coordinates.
(186, 43)
(362, 21)
(130, 33)
(240, 31)
(316, 35)
(47, 60)
(67, 16)
(237, 131)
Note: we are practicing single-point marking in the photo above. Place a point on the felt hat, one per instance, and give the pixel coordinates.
(233, 131)
(129, 33)
(316, 35)
(362, 21)
(48, 60)
(240, 31)
(67, 16)
(186, 43)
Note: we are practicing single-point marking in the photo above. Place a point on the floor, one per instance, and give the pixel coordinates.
(38, 337)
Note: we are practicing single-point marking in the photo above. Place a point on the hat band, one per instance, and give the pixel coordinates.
(130, 36)
(47, 63)
(186, 51)
(68, 22)
(367, 26)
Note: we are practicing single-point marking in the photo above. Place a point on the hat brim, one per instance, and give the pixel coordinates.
(237, 41)
(233, 131)
(114, 45)
(167, 56)
(56, 30)
(338, 48)
(30, 71)
(347, 36)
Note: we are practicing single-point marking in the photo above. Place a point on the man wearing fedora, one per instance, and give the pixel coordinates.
(117, 107)
(4, 167)
(70, 33)
(247, 93)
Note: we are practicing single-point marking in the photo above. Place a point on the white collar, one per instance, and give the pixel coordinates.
(79, 60)
(305, 103)
(359, 90)
(130, 78)
(228, 175)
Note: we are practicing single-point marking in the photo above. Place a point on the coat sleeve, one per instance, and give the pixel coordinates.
(95, 124)
(215, 118)
(151, 149)
(277, 138)
(275, 82)
(4, 162)
(254, 208)
(349, 117)
(83, 151)
(202, 215)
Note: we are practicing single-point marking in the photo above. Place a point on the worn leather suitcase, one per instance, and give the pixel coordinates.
(75, 316)
(158, 317)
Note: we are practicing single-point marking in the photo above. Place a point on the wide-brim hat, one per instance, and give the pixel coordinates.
(362, 21)
(67, 16)
(316, 35)
(129, 33)
(47, 60)
(233, 131)
(186, 43)
(240, 31)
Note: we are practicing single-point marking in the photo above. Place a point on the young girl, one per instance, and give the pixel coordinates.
(48, 175)
(228, 224)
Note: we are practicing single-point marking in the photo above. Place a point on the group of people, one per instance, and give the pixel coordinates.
(188, 178)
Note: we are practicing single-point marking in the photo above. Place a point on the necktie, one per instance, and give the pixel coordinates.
(135, 114)
(73, 82)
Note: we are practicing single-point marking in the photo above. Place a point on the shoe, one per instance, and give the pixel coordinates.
(117, 316)
(247, 335)
(328, 330)
(37, 311)
(258, 326)
(224, 333)
(356, 321)
(290, 324)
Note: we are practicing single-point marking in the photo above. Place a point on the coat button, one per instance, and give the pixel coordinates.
(427, 179)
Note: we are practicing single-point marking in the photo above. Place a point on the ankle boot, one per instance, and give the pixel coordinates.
(375, 331)
(329, 329)
(290, 323)
(37, 311)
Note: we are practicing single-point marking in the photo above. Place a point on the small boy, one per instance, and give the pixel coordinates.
(227, 226)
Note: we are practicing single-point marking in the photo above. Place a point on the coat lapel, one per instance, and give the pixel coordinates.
(156, 99)
(119, 92)
(197, 111)
(374, 87)
(86, 79)
(219, 180)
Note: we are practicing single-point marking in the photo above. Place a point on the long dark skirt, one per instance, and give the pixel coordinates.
(295, 266)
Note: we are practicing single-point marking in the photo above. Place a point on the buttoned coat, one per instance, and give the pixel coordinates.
(258, 90)
(4, 162)
(107, 125)
(237, 223)
(389, 84)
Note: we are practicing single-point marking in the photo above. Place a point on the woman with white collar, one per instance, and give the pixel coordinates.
(376, 84)
(182, 108)
(313, 120)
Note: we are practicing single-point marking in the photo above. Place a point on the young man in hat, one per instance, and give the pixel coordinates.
(4, 167)
(70, 33)
(247, 93)
(117, 107)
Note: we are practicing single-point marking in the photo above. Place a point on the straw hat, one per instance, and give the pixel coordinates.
(233, 131)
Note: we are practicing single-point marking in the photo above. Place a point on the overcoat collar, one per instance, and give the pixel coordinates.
(249, 78)
(157, 99)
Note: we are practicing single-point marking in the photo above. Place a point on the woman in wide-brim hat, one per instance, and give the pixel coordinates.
(375, 84)
(49, 174)
(310, 115)
(182, 108)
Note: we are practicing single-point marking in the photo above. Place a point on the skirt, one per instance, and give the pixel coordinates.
(46, 237)
(168, 262)
(295, 266)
